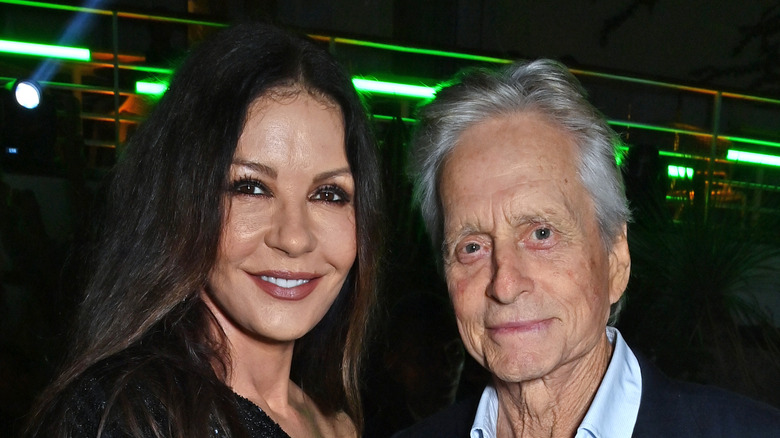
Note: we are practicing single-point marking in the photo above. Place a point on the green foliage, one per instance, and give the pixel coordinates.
(692, 301)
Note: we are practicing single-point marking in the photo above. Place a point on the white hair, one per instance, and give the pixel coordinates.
(543, 86)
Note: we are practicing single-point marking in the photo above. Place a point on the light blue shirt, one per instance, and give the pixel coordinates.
(613, 411)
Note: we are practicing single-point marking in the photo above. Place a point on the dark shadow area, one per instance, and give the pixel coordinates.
(694, 301)
(44, 199)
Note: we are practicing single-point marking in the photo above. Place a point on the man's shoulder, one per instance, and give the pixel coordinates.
(453, 422)
(690, 409)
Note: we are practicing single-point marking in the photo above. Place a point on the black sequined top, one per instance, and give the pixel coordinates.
(257, 422)
(87, 402)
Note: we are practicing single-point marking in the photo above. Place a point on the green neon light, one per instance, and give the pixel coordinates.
(752, 157)
(391, 118)
(46, 50)
(108, 12)
(415, 50)
(751, 141)
(381, 87)
(47, 5)
(365, 85)
(734, 139)
(649, 127)
(151, 88)
(680, 172)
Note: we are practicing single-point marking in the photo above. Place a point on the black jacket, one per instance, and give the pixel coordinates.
(668, 409)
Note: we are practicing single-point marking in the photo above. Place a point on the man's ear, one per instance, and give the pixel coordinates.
(619, 266)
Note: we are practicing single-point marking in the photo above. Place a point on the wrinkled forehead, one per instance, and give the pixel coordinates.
(519, 145)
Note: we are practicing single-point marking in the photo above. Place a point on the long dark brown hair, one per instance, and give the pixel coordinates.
(141, 318)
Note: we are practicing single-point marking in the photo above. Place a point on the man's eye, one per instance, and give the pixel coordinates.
(331, 194)
(471, 248)
(542, 233)
(470, 251)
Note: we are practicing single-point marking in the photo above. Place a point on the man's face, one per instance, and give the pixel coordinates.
(528, 274)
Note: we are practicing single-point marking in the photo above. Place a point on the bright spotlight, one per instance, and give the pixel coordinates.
(28, 128)
(27, 94)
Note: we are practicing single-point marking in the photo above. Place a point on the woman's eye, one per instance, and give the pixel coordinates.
(331, 194)
(250, 187)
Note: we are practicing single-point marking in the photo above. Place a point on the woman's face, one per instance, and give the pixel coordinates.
(288, 241)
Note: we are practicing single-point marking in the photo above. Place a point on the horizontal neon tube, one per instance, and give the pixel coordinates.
(752, 157)
(46, 50)
(391, 118)
(152, 88)
(365, 85)
(415, 50)
(680, 172)
(649, 127)
(373, 86)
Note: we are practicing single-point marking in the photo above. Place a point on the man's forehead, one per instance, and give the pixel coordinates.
(523, 145)
(525, 137)
(514, 206)
(517, 166)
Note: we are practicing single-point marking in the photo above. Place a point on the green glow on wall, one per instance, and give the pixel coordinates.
(752, 157)
(393, 88)
(45, 50)
(680, 172)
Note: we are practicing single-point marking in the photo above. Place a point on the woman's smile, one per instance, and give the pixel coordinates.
(293, 286)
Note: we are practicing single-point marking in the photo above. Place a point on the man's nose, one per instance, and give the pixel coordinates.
(292, 231)
(510, 273)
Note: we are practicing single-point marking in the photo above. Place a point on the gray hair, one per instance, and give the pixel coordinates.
(543, 86)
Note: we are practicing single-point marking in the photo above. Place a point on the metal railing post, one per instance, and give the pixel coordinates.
(713, 154)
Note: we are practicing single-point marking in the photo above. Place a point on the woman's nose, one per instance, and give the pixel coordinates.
(292, 231)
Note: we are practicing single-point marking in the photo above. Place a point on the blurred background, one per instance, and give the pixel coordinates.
(692, 87)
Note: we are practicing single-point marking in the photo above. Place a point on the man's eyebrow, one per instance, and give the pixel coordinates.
(256, 167)
(463, 231)
(532, 219)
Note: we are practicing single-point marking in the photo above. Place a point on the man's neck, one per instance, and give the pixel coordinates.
(552, 406)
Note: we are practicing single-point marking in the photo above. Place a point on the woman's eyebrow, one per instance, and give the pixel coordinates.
(333, 173)
(257, 167)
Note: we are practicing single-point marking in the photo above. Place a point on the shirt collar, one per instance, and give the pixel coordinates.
(615, 407)
(487, 413)
(613, 411)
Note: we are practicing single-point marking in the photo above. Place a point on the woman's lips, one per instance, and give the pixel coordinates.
(286, 286)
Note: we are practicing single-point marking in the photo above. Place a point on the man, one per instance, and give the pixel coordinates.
(517, 180)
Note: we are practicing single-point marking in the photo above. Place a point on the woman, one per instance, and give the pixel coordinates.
(232, 284)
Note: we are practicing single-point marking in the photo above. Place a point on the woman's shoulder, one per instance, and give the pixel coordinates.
(340, 425)
(328, 424)
(103, 398)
